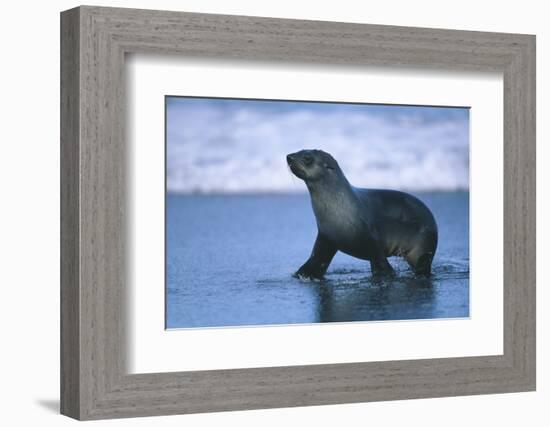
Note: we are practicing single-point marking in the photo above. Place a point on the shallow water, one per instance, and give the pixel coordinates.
(230, 260)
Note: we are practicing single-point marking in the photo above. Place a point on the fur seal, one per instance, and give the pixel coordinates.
(365, 223)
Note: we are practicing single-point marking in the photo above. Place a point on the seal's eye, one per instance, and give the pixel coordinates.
(308, 160)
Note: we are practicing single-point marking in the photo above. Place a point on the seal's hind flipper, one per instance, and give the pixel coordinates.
(423, 266)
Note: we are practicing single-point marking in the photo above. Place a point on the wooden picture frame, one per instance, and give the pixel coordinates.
(94, 382)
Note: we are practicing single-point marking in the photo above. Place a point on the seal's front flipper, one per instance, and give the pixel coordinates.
(381, 267)
(319, 260)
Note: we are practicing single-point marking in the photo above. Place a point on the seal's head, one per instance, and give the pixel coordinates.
(313, 165)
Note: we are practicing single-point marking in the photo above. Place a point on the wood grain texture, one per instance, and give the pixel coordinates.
(94, 382)
(70, 221)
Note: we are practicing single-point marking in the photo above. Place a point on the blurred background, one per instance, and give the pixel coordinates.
(239, 146)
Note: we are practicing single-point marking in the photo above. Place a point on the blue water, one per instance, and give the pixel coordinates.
(230, 259)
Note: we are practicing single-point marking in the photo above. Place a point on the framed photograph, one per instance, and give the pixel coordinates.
(261, 213)
(231, 241)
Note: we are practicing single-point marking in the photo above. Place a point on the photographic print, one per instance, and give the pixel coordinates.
(284, 212)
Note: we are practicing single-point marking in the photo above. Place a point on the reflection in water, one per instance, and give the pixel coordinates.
(347, 295)
(375, 299)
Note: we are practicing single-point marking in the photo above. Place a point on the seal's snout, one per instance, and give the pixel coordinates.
(289, 159)
(295, 165)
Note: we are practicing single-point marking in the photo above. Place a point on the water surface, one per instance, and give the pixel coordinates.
(230, 259)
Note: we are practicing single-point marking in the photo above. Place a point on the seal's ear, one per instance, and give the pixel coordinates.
(328, 166)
